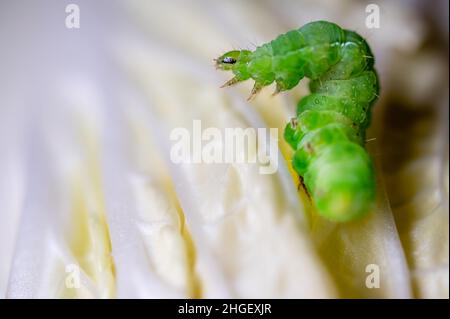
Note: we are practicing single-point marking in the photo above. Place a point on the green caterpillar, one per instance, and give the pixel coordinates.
(328, 134)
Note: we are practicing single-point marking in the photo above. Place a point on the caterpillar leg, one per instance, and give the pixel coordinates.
(301, 184)
(230, 82)
(278, 89)
(256, 89)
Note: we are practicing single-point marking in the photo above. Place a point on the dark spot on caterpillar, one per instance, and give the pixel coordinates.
(309, 148)
(294, 123)
(229, 60)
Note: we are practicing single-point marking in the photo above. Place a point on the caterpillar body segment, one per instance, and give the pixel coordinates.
(328, 134)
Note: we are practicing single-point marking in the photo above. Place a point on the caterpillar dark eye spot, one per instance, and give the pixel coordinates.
(229, 60)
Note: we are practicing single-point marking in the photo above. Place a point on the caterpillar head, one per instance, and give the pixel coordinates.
(232, 60)
(237, 62)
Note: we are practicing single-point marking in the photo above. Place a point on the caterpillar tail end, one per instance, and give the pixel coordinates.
(341, 181)
(343, 206)
(343, 195)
